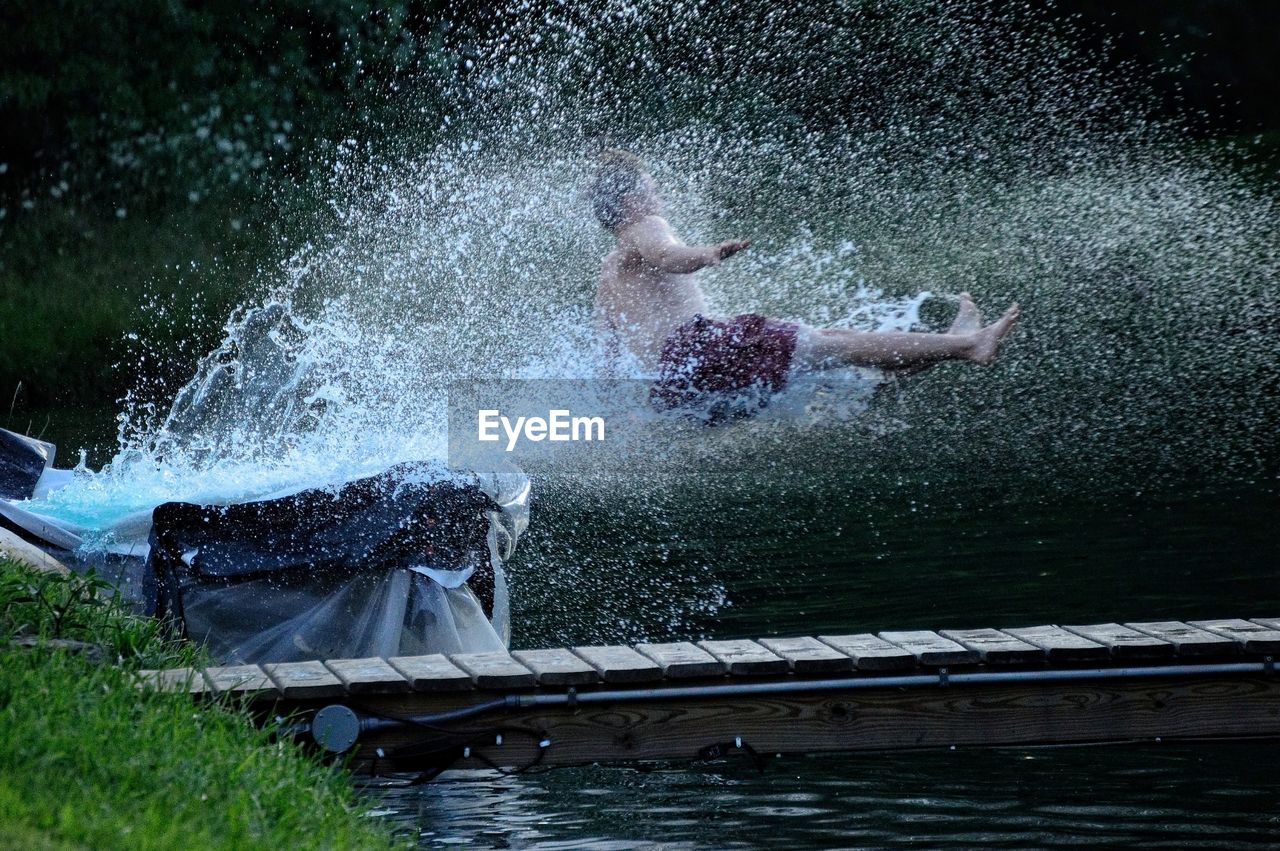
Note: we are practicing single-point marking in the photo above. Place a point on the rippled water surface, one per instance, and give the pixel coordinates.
(1170, 796)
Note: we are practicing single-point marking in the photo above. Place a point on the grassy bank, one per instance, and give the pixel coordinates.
(88, 760)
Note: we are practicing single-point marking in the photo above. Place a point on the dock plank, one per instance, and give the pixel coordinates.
(1250, 637)
(830, 710)
(807, 655)
(683, 659)
(994, 646)
(1123, 642)
(556, 667)
(494, 670)
(870, 652)
(1187, 639)
(432, 672)
(1060, 645)
(301, 680)
(189, 680)
(931, 649)
(618, 664)
(746, 658)
(246, 680)
(370, 675)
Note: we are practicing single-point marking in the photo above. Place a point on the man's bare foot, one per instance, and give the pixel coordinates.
(968, 318)
(986, 341)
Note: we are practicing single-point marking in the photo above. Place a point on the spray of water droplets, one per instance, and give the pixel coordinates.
(873, 151)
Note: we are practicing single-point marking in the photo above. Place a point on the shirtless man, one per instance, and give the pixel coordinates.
(649, 302)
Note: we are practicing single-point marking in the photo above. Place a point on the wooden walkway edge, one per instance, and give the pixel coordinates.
(914, 689)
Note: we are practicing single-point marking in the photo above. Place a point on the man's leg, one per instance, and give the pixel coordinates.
(903, 350)
(968, 321)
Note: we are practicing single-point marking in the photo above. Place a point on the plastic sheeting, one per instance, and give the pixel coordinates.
(22, 461)
(403, 563)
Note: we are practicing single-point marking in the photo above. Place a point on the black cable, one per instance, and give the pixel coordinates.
(462, 713)
(461, 741)
(457, 751)
(540, 737)
(720, 750)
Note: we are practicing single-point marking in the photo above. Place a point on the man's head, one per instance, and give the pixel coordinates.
(622, 190)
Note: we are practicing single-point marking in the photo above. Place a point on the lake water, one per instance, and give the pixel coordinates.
(939, 555)
(1220, 795)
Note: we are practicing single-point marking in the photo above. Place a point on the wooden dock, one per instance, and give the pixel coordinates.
(1040, 685)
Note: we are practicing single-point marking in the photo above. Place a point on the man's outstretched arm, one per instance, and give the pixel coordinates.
(653, 238)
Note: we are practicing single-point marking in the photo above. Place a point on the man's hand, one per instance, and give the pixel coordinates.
(730, 247)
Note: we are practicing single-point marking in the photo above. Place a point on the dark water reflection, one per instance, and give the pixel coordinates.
(1214, 795)
(1211, 555)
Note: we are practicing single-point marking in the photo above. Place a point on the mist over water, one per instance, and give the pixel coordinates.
(873, 152)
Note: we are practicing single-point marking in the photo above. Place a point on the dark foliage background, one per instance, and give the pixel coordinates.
(142, 140)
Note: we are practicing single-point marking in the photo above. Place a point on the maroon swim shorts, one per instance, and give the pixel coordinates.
(724, 368)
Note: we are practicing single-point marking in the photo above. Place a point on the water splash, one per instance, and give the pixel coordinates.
(872, 152)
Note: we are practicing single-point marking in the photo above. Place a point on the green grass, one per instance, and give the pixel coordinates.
(89, 761)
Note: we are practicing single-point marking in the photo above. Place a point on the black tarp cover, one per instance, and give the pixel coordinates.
(406, 562)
